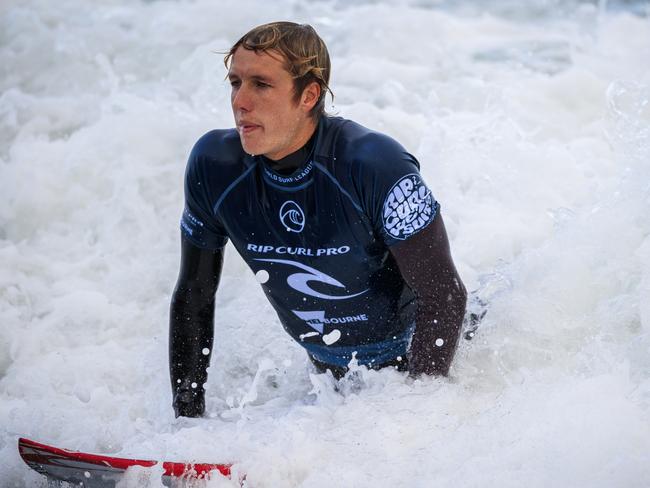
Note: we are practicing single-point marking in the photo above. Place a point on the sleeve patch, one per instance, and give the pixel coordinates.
(408, 207)
(190, 223)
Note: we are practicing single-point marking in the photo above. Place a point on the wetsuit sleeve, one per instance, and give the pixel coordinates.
(191, 324)
(199, 225)
(394, 194)
(426, 265)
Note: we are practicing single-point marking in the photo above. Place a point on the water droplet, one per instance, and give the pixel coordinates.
(262, 276)
(332, 337)
(439, 342)
(308, 334)
(205, 351)
(194, 385)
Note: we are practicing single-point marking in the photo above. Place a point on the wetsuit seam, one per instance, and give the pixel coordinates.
(232, 186)
(339, 186)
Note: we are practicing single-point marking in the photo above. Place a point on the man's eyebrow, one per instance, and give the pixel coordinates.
(263, 78)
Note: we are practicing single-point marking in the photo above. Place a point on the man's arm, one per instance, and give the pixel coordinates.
(191, 326)
(425, 263)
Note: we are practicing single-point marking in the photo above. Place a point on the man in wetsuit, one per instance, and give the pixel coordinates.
(334, 219)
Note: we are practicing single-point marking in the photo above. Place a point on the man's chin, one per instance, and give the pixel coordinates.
(251, 148)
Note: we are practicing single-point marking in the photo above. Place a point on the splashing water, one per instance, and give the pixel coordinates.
(532, 125)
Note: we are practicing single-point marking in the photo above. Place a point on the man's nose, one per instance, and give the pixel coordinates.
(241, 99)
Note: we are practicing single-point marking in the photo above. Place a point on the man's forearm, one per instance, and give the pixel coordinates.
(427, 267)
(191, 335)
(191, 326)
(437, 329)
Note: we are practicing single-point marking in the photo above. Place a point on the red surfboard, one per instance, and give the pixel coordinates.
(98, 471)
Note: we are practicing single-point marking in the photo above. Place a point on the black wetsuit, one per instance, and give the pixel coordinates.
(345, 239)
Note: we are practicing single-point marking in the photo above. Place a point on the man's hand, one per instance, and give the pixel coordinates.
(432, 350)
(189, 403)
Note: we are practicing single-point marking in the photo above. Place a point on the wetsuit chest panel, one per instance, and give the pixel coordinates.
(317, 239)
(315, 254)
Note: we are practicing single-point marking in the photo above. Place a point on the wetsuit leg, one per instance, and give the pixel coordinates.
(339, 372)
(322, 367)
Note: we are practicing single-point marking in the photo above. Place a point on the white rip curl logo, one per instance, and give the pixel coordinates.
(301, 281)
(408, 208)
(292, 216)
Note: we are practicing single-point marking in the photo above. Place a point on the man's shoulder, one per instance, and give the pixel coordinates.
(216, 160)
(219, 145)
(355, 142)
(361, 150)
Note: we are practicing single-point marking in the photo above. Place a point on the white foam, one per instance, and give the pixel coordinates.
(532, 131)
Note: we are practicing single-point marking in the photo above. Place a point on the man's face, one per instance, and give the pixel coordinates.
(268, 119)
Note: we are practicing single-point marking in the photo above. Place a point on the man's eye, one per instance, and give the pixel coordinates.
(261, 84)
(235, 83)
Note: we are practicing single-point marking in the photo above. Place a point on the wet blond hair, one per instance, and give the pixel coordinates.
(304, 52)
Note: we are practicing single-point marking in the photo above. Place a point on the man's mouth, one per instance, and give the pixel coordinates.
(247, 127)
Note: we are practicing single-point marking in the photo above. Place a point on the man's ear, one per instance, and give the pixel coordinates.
(310, 96)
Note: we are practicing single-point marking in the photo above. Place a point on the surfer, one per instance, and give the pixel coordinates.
(335, 220)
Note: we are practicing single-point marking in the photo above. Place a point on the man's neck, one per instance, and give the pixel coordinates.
(291, 162)
(300, 140)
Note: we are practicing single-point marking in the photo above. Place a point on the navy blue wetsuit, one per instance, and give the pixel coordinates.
(318, 239)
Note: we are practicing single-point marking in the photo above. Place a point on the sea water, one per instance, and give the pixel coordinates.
(531, 121)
